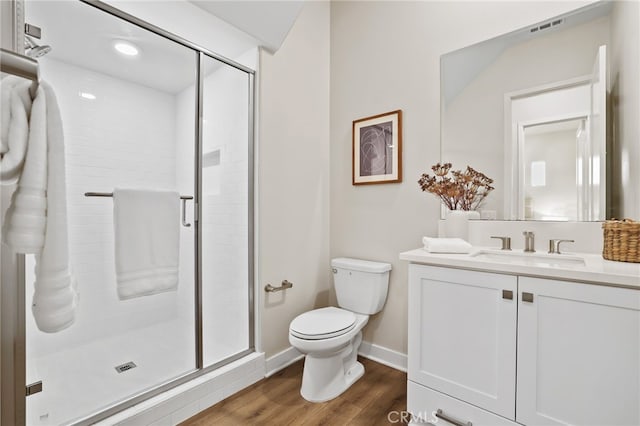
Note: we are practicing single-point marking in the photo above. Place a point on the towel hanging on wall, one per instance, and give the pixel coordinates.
(36, 221)
(147, 241)
(15, 110)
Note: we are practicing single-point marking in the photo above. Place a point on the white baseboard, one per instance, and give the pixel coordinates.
(376, 353)
(281, 360)
(383, 355)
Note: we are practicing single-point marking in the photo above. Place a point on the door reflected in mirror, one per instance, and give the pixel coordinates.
(481, 86)
(550, 180)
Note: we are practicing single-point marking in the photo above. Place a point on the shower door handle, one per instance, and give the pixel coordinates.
(184, 213)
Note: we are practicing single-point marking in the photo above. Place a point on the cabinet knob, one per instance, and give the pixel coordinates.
(507, 294)
(527, 297)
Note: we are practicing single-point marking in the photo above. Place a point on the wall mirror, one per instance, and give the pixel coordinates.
(531, 109)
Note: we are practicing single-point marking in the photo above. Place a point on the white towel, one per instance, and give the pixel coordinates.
(15, 108)
(55, 298)
(26, 219)
(36, 220)
(446, 245)
(147, 237)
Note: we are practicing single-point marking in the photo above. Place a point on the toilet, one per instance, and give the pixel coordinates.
(330, 337)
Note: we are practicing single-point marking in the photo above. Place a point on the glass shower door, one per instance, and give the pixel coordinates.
(226, 203)
(125, 94)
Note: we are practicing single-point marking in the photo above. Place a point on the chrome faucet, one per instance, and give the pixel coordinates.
(529, 242)
(506, 242)
(554, 245)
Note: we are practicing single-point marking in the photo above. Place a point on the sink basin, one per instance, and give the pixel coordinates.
(533, 259)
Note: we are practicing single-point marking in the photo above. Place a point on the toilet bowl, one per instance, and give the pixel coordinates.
(330, 337)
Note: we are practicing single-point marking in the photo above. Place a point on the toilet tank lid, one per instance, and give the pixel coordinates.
(360, 265)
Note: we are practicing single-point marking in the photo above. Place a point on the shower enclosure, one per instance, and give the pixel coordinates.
(142, 108)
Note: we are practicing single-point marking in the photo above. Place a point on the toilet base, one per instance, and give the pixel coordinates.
(326, 377)
(335, 389)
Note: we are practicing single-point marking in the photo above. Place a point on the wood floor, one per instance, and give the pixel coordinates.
(276, 401)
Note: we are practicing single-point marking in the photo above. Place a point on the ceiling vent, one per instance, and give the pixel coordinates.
(546, 25)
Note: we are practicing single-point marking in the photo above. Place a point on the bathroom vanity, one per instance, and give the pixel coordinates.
(498, 338)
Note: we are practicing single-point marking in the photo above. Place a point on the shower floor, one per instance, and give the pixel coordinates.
(82, 380)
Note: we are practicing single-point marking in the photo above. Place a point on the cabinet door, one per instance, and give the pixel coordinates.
(462, 335)
(578, 354)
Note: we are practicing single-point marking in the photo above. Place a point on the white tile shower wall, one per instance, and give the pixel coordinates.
(123, 138)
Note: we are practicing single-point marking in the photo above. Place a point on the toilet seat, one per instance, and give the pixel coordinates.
(322, 323)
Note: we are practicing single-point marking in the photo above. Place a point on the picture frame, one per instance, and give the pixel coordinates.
(377, 149)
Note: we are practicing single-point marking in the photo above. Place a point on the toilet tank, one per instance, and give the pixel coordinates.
(361, 285)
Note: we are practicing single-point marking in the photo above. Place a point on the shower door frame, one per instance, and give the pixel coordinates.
(15, 408)
(12, 299)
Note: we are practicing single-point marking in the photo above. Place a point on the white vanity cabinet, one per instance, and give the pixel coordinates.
(493, 349)
(578, 354)
(462, 335)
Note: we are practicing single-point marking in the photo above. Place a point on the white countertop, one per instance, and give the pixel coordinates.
(595, 268)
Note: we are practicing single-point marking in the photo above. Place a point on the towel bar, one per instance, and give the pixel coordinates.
(183, 198)
(271, 289)
(110, 194)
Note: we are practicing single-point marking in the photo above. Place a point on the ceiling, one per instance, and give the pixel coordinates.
(267, 21)
(83, 35)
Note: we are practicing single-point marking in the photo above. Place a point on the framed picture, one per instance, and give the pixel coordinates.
(377, 149)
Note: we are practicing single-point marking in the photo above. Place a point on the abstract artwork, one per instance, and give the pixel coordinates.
(377, 149)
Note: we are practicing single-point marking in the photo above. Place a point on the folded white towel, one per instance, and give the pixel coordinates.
(446, 245)
(147, 234)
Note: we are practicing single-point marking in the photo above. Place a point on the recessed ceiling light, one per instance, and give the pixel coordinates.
(126, 48)
(87, 95)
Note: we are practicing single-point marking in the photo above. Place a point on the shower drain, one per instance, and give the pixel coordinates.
(125, 367)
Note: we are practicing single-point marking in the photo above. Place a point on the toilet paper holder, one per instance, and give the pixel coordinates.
(285, 285)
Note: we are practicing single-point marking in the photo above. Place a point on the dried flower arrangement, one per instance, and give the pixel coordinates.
(458, 190)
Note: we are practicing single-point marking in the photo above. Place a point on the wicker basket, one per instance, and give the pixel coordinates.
(621, 240)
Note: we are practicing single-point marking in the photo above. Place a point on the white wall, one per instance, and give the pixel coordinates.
(293, 175)
(625, 106)
(123, 138)
(386, 56)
